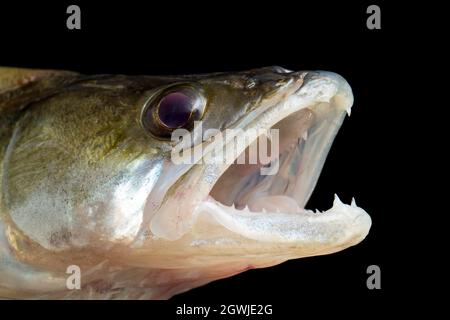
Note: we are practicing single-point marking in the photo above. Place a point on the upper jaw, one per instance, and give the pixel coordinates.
(185, 211)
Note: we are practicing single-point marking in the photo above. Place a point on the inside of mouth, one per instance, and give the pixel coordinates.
(305, 137)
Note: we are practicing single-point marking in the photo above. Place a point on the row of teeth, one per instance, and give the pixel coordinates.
(316, 211)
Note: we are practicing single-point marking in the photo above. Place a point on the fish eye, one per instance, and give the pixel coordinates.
(172, 108)
(175, 109)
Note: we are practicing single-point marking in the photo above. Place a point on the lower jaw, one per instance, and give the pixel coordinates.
(304, 229)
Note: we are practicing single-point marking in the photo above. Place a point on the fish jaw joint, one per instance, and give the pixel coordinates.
(303, 233)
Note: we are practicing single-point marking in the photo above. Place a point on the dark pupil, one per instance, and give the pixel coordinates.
(175, 109)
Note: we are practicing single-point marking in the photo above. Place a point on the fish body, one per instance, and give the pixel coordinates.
(88, 179)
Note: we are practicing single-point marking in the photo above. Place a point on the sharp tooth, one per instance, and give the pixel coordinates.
(264, 210)
(349, 110)
(353, 204)
(337, 201)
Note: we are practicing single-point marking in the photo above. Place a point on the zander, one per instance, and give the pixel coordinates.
(86, 179)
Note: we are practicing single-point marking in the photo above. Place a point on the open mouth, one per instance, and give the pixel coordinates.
(272, 207)
(243, 186)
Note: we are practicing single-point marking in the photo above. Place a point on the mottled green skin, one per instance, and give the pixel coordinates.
(81, 128)
(89, 127)
(69, 123)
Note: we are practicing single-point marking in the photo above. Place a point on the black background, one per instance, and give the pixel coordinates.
(133, 37)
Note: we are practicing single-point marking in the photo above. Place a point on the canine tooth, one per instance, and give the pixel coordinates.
(353, 204)
(337, 201)
(349, 110)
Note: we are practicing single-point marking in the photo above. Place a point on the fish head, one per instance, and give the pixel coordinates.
(236, 214)
(155, 172)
